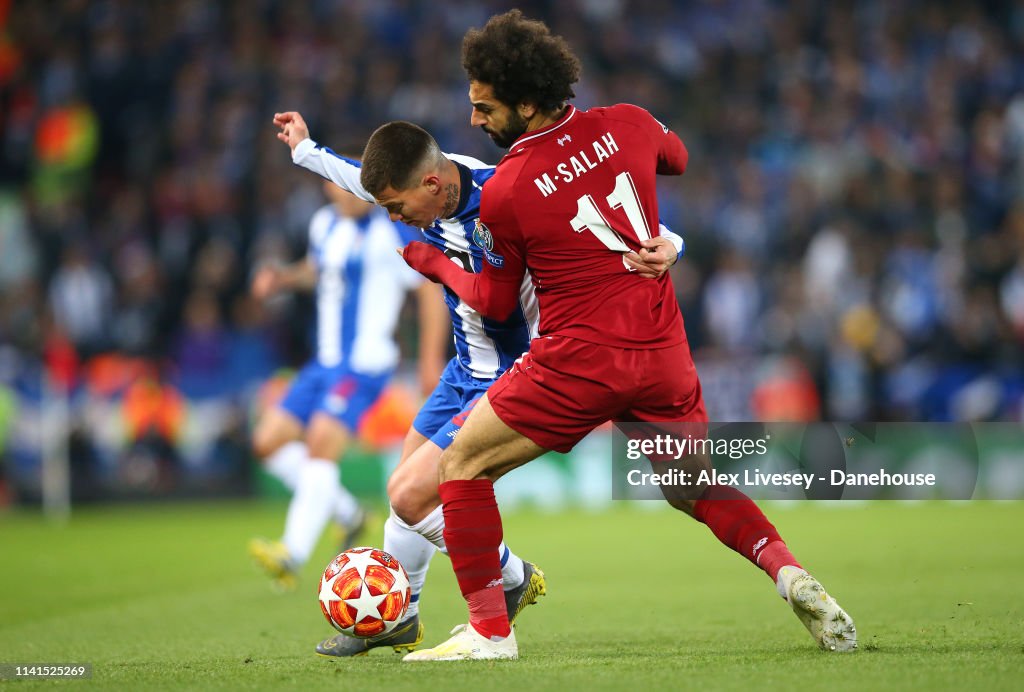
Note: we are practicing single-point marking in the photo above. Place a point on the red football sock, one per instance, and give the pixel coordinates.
(737, 522)
(472, 532)
(774, 557)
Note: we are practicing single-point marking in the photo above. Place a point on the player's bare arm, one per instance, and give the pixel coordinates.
(435, 333)
(270, 278)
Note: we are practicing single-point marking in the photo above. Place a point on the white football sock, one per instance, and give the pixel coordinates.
(511, 567)
(413, 551)
(310, 507)
(432, 528)
(345, 509)
(285, 463)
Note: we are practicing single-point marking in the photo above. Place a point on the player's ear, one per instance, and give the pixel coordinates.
(432, 182)
(526, 110)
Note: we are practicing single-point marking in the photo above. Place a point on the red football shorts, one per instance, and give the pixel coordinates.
(563, 388)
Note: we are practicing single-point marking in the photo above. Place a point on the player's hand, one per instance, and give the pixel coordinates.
(293, 128)
(655, 257)
(265, 282)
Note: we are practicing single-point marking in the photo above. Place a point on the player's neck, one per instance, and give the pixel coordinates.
(451, 188)
(542, 119)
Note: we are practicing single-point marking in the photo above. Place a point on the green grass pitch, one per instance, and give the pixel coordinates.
(164, 597)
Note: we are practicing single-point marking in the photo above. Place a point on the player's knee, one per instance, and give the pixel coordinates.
(685, 497)
(447, 468)
(326, 438)
(408, 498)
(396, 494)
(684, 505)
(455, 466)
(262, 444)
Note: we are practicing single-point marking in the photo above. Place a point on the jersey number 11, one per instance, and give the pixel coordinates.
(589, 217)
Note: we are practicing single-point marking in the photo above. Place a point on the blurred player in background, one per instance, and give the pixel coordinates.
(576, 191)
(409, 175)
(360, 289)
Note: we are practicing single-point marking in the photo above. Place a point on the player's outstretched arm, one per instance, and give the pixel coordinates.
(490, 297)
(341, 171)
(270, 279)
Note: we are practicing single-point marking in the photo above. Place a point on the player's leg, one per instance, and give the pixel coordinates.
(732, 517)
(739, 523)
(319, 494)
(414, 439)
(412, 549)
(543, 402)
(409, 486)
(416, 509)
(277, 443)
(473, 532)
(278, 439)
(676, 404)
(486, 449)
(412, 488)
(401, 537)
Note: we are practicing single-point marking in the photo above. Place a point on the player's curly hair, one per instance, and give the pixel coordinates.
(396, 153)
(522, 61)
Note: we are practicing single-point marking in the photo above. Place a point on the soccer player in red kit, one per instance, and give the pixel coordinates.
(574, 193)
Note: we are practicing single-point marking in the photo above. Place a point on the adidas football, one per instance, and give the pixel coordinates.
(364, 592)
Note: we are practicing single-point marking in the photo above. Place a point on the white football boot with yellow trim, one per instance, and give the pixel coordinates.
(468, 645)
(829, 624)
(274, 559)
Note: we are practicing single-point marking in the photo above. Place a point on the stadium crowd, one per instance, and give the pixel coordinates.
(853, 208)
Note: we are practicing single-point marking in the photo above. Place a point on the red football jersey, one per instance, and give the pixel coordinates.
(565, 203)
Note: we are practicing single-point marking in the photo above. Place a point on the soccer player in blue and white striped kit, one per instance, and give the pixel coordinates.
(444, 202)
(360, 289)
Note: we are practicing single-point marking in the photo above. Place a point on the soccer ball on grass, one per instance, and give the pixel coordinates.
(364, 592)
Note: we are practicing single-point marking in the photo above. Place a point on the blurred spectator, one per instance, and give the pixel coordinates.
(732, 300)
(18, 260)
(81, 297)
(202, 349)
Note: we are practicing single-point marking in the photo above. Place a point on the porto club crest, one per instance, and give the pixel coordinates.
(482, 236)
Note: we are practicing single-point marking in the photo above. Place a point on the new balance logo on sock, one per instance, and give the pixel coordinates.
(493, 582)
(760, 544)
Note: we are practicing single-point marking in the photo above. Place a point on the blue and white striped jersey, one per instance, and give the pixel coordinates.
(485, 348)
(361, 285)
